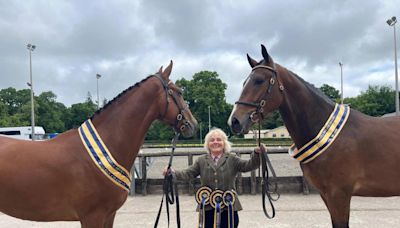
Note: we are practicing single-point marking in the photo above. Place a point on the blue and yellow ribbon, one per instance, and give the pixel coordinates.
(203, 199)
(229, 200)
(102, 157)
(325, 137)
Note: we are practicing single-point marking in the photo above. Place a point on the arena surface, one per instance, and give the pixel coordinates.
(297, 211)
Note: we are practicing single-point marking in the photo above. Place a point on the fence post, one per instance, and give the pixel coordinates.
(144, 175)
(132, 192)
(253, 180)
(239, 181)
(306, 189)
(191, 181)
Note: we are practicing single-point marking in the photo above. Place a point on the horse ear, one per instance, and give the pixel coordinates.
(160, 70)
(265, 54)
(167, 71)
(252, 62)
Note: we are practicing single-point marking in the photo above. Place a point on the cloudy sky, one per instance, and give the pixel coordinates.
(126, 40)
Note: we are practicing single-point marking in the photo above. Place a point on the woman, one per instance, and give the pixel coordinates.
(218, 170)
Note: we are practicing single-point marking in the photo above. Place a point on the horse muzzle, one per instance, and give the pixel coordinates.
(240, 125)
(188, 128)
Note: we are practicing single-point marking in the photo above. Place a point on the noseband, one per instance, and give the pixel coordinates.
(181, 122)
(260, 105)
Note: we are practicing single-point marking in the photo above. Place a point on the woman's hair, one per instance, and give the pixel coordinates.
(227, 144)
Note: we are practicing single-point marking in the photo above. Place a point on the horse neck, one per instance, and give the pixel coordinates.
(304, 110)
(125, 122)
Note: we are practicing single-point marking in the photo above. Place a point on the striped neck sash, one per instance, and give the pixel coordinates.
(102, 157)
(325, 137)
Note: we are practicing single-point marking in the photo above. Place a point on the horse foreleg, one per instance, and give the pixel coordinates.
(110, 221)
(338, 204)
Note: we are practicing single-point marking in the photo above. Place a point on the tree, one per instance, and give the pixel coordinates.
(159, 131)
(14, 99)
(206, 90)
(376, 101)
(16, 110)
(79, 113)
(331, 92)
(272, 120)
(3, 113)
(50, 112)
(18, 119)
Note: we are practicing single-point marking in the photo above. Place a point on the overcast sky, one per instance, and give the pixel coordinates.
(125, 41)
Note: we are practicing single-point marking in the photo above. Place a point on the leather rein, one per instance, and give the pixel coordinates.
(265, 183)
(170, 188)
(265, 161)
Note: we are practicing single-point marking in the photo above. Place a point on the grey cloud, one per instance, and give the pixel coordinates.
(127, 40)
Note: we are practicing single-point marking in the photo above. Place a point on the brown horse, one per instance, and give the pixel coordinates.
(363, 159)
(57, 180)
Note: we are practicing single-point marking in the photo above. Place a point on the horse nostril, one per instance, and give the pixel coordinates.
(236, 128)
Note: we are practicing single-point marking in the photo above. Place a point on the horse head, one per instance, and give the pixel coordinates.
(261, 94)
(174, 110)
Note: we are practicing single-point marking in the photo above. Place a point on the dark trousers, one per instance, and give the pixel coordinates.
(209, 217)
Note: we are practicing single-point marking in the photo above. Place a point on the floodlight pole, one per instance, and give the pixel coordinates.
(98, 76)
(392, 22)
(341, 82)
(31, 48)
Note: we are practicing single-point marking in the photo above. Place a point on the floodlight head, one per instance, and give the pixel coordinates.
(391, 21)
(98, 76)
(30, 47)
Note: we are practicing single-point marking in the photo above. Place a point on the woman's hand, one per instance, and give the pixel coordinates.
(260, 149)
(167, 171)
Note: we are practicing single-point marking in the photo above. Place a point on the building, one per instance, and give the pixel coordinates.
(389, 114)
(279, 132)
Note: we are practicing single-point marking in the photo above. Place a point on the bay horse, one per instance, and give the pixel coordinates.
(360, 157)
(58, 180)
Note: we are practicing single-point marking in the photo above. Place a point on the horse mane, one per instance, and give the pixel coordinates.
(135, 86)
(315, 90)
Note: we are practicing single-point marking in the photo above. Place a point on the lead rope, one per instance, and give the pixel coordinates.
(169, 187)
(265, 162)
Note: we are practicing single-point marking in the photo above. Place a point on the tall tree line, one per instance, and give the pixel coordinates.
(375, 101)
(205, 94)
(15, 110)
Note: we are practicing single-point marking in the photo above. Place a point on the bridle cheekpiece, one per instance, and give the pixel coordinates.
(181, 122)
(260, 105)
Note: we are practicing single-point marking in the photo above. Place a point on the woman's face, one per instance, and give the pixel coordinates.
(216, 143)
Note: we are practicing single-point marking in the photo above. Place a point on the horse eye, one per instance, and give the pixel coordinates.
(259, 81)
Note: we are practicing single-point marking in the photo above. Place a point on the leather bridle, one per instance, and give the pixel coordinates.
(263, 101)
(264, 160)
(180, 122)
